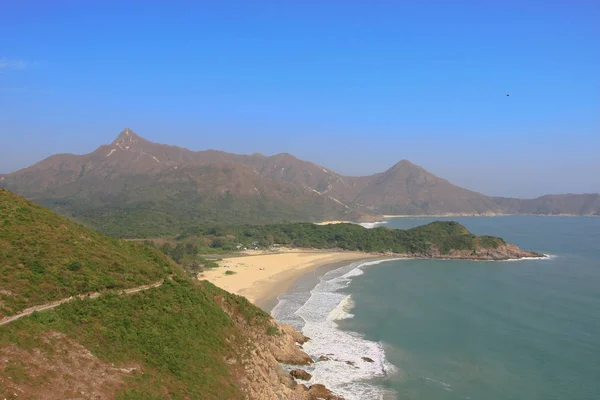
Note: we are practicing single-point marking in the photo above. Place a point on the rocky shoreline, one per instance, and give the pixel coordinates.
(263, 374)
(501, 253)
(265, 349)
(504, 252)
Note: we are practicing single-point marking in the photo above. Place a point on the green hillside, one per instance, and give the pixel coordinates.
(443, 235)
(45, 257)
(177, 335)
(173, 341)
(185, 209)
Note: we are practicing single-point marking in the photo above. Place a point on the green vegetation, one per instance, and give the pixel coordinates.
(229, 272)
(187, 255)
(44, 257)
(445, 236)
(167, 210)
(178, 333)
(183, 333)
(272, 331)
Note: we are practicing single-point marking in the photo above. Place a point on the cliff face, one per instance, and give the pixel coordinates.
(258, 368)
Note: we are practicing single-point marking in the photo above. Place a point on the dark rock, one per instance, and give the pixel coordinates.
(368, 359)
(284, 377)
(302, 388)
(300, 374)
(304, 339)
(350, 362)
(318, 391)
(324, 358)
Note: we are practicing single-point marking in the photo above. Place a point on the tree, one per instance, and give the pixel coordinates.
(178, 253)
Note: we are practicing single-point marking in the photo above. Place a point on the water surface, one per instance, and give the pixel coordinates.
(451, 329)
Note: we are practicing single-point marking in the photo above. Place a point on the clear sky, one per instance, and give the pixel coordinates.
(353, 85)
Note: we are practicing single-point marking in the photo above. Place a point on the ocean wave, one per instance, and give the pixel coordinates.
(342, 311)
(346, 362)
(370, 225)
(544, 257)
(285, 310)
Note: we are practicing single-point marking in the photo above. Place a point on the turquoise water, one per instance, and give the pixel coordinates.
(448, 330)
(490, 330)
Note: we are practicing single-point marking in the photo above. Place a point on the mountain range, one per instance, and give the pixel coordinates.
(136, 188)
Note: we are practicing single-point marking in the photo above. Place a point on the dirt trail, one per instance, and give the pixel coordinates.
(54, 304)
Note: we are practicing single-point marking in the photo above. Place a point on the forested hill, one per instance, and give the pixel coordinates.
(437, 239)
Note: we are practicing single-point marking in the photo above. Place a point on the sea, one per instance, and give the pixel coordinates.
(453, 329)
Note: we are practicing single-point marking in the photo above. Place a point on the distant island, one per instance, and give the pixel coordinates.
(133, 188)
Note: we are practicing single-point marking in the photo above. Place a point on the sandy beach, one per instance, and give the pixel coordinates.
(262, 277)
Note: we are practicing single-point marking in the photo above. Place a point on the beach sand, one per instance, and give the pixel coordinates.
(261, 277)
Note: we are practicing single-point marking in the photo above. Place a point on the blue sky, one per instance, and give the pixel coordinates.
(353, 85)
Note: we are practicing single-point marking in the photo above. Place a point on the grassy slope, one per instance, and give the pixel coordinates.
(44, 257)
(177, 333)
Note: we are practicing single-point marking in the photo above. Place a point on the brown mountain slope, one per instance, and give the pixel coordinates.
(287, 168)
(133, 187)
(571, 204)
(407, 189)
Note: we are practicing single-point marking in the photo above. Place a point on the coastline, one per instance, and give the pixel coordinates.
(384, 218)
(262, 277)
(306, 282)
(293, 287)
(350, 365)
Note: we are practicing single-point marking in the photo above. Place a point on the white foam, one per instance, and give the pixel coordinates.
(346, 373)
(342, 311)
(354, 272)
(544, 257)
(370, 225)
(445, 385)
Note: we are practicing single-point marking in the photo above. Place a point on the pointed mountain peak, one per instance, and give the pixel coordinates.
(405, 168)
(128, 136)
(403, 164)
(284, 156)
(406, 162)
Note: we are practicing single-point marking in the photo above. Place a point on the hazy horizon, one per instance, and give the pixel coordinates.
(354, 88)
